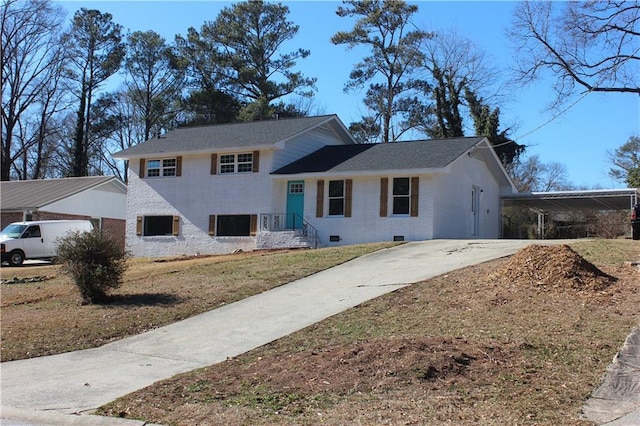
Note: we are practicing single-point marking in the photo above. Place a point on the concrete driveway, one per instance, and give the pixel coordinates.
(78, 382)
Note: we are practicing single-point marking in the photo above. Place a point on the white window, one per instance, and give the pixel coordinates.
(401, 196)
(336, 197)
(161, 168)
(236, 163)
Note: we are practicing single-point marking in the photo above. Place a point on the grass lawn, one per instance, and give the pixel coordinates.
(461, 348)
(47, 317)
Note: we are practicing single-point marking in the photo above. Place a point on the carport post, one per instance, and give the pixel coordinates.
(540, 225)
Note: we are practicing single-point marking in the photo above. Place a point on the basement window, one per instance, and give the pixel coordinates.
(234, 225)
(158, 225)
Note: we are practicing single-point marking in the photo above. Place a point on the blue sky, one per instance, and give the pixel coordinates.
(579, 138)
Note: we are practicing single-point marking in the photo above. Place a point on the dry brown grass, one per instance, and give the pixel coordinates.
(461, 348)
(46, 318)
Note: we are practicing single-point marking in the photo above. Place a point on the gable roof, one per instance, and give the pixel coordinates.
(422, 154)
(33, 194)
(233, 135)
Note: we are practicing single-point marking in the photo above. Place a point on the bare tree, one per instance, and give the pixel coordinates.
(120, 122)
(591, 45)
(453, 66)
(32, 57)
(40, 135)
(531, 175)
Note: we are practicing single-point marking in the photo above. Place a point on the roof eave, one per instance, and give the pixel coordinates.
(193, 152)
(19, 209)
(498, 163)
(364, 173)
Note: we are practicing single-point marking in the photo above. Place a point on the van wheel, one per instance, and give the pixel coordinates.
(16, 258)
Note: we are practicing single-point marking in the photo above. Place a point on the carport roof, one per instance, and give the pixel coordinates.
(605, 199)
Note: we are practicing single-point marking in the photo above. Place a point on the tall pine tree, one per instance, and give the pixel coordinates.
(96, 51)
(385, 27)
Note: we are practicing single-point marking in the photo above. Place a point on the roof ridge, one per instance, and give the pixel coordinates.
(231, 123)
(59, 179)
(450, 138)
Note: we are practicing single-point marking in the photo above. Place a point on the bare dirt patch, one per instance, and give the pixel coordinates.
(475, 346)
(288, 384)
(381, 363)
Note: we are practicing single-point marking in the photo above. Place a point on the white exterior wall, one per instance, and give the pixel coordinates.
(277, 240)
(452, 201)
(444, 203)
(279, 196)
(102, 202)
(365, 224)
(194, 196)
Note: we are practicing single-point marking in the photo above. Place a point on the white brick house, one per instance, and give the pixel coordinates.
(294, 182)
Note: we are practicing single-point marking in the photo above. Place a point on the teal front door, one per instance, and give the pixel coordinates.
(295, 203)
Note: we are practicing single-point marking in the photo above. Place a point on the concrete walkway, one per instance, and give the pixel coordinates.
(616, 402)
(61, 387)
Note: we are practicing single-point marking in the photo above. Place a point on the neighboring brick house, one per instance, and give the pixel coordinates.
(303, 182)
(101, 199)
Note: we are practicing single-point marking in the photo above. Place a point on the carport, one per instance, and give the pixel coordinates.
(573, 201)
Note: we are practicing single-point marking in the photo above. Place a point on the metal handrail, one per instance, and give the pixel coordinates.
(274, 222)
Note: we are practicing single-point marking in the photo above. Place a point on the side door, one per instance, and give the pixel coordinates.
(475, 211)
(33, 242)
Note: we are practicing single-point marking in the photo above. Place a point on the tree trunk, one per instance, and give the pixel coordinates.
(42, 131)
(79, 154)
(5, 167)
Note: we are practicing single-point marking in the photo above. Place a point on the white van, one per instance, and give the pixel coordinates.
(37, 239)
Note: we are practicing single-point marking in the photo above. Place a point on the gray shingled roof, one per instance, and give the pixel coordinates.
(423, 154)
(220, 136)
(33, 194)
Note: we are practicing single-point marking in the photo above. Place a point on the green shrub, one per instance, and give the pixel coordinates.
(94, 261)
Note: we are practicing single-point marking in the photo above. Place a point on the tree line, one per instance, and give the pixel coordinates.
(60, 116)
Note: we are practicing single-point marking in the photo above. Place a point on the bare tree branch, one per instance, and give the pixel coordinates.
(590, 44)
(32, 58)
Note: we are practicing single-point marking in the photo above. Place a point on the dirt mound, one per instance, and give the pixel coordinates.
(362, 366)
(293, 382)
(552, 267)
